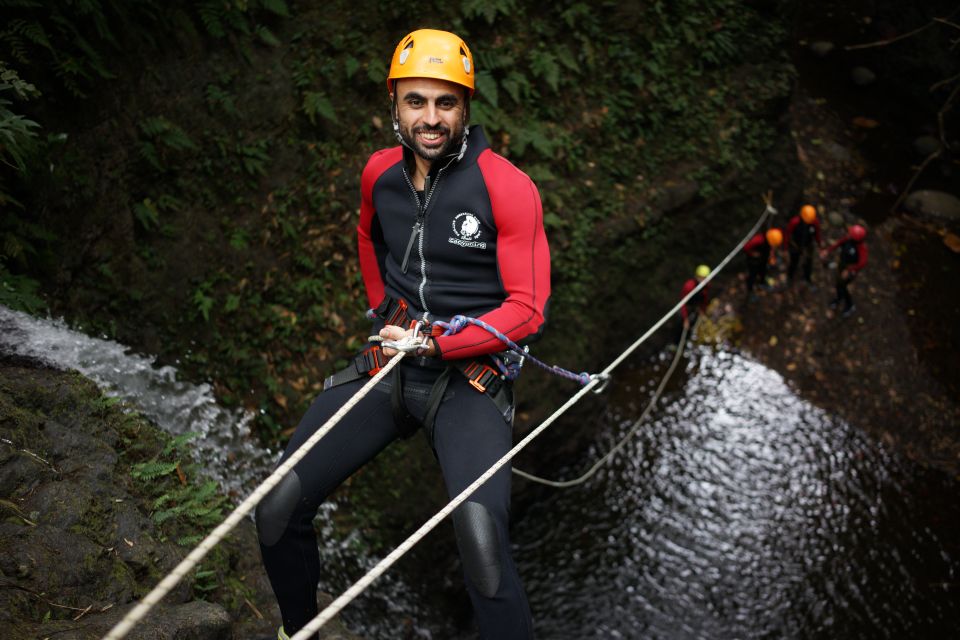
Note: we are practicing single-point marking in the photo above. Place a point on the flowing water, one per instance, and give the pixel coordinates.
(224, 447)
(742, 511)
(739, 511)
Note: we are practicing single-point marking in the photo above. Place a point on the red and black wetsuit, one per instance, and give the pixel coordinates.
(472, 243)
(853, 258)
(759, 253)
(698, 302)
(801, 238)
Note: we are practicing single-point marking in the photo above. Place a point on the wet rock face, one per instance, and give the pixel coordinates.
(73, 537)
(78, 546)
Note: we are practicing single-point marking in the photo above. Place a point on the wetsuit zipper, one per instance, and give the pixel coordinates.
(417, 232)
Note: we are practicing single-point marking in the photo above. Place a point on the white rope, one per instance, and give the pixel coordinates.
(133, 616)
(334, 607)
(723, 263)
(360, 585)
(564, 484)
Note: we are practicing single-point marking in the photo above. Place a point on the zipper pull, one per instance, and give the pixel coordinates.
(413, 236)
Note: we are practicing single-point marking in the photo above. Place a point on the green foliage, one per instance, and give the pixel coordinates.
(244, 203)
(153, 469)
(20, 292)
(179, 505)
(315, 103)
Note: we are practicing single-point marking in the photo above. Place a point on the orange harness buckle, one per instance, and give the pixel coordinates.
(374, 359)
(480, 376)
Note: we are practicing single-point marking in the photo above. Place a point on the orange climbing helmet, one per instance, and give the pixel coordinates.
(808, 213)
(857, 232)
(429, 53)
(774, 237)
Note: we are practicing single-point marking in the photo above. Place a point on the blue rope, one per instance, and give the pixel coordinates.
(457, 323)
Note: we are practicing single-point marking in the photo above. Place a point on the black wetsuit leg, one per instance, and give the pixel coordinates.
(756, 271)
(795, 253)
(843, 291)
(288, 542)
(807, 259)
(469, 436)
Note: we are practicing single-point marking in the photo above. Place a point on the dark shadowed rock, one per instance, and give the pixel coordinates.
(934, 204)
(821, 48)
(78, 545)
(862, 76)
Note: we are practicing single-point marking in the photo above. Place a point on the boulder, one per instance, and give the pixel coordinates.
(935, 204)
(862, 76)
(821, 48)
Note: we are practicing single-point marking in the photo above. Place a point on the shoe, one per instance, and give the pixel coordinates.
(849, 311)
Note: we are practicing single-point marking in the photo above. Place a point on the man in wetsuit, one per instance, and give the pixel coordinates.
(803, 231)
(852, 260)
(761, 250)
(446, 227)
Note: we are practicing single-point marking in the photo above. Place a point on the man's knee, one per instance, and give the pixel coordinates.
(276, 510)
(479, 544)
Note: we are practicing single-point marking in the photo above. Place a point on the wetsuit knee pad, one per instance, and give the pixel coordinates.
(275, 510)
(479, 547)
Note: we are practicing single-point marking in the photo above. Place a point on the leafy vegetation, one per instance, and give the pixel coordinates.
(216, 225)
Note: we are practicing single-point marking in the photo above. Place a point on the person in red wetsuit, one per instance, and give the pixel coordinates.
(852, 260)
(698, 302)
(803, 232)
(761, 250)
(447, 227)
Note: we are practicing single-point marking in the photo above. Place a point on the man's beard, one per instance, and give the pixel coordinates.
(454, 139)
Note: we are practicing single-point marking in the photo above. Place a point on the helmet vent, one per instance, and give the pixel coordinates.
(406, 52)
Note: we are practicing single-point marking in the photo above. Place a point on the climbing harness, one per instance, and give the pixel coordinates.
(122, 628)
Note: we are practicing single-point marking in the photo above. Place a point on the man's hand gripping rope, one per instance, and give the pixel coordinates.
(396, 339)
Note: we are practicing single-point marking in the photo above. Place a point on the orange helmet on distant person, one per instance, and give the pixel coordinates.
(808, 213)
(429, 53)
(774, 237)
(858, 232)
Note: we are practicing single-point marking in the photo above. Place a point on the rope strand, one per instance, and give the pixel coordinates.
(564, 484)
(133, 616)
(360, 585)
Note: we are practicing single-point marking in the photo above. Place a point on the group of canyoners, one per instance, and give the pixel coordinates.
(801, 240)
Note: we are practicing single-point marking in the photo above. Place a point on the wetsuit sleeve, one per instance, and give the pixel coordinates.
(816, 233)
(688, 286)
(371, 247)
(791, 226)
(706, 298)
(523, 260)
(861, 258)
(837, 243)
(753, 244)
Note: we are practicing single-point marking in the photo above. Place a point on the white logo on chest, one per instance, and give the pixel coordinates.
(466, 231)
